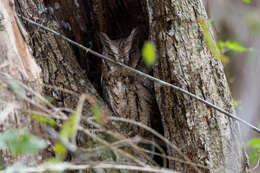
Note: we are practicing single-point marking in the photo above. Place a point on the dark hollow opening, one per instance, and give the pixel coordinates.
(82, 21)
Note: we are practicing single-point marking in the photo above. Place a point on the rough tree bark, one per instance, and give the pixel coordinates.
(60, 67)
(205, 136)
(17, 67)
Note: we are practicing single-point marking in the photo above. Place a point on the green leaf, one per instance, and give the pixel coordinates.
(149, 53)
(253, 156)
(97, 113)
(16, 88)
(60, 151)
(213, 47)
(21, 142)
(236, 103)
(211, 21)
(232, 46)
(247, 1)
(43, 120)
(68, 128)
(255, 143)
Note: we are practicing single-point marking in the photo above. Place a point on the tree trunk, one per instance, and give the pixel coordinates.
(203, 135)
(17, 67)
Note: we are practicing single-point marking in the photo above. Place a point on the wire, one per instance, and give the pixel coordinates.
(144, 74)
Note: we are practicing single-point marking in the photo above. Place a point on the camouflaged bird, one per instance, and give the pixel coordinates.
(129, 95)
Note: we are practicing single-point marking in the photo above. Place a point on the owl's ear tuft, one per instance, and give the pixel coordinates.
(132, 35)
(130, 39)
(104, 38)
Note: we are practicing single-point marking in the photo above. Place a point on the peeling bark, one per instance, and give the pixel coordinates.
(16, 63)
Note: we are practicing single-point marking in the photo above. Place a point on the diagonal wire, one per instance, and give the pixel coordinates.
(144, 74)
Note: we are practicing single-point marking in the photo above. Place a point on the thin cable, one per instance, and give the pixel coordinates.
(145, 75)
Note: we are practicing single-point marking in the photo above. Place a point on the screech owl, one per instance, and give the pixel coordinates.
(129, 95)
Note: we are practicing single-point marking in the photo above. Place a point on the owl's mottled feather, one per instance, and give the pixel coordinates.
(128, 95)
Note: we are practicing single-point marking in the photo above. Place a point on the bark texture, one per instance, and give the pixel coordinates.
(61, 68)
(56, 58)
(203, 134)
(17, 66)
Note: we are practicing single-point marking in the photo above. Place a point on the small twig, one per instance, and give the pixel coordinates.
(114, 149)
(131, 142)
(176, 159)
(54, 135)
(63, 109)
(62, 89)
(78, 114)
(151, 131)
(54, 110)
(53, 115)
(118, 144)
(66, 166)
(6, 77)
(156, 146)
(144, 75)
(44, 100)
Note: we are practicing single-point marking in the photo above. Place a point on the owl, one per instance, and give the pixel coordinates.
(128, 95)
